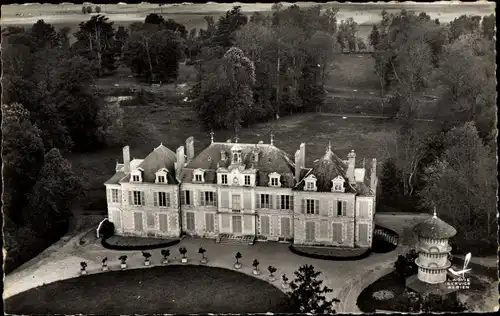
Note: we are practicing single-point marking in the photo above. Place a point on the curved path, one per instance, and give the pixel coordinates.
(62, 261)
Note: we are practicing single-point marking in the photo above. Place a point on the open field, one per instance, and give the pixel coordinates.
(191, 15)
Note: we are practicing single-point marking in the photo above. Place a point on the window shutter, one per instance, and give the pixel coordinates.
(290, 197)
(257, 200)
(120, 196)
(335, 208)
(183, 197)
(215, 198)
(344, 208)
(303, 206)
(271, 199)
(201, 198)
(130, 198)
(155, 198)
(143, 202)
(108, 194)
(316, 206)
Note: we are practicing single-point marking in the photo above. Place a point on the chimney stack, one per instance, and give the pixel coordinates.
(373, 176)
(303, 155)
(190, 148)
(126, 159)
(351, 164)
(179, 164)
(297, 166)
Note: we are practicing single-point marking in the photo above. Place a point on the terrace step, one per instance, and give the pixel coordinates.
(234, 239)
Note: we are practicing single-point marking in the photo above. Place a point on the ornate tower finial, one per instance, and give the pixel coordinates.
(329, 149)
(435, 214)
(272, 138)
(212, 136)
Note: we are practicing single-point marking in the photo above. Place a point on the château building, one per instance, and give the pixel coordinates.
(244, 191)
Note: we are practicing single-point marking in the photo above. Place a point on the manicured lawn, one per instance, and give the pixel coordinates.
(170, 289)
(333, 252)
(137, 243)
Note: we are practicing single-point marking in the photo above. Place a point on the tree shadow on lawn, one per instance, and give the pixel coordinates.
(157, 290)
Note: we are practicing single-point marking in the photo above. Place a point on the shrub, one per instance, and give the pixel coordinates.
(84, 10)
(383, 295)
(107, 229)
(405, 265)
(97, 9)
(89, 9)
(255, 263)
(165, 253)
(202, 252)
(238, 257)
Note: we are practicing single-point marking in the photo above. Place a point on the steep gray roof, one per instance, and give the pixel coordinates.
(270, 159)
(160, 157)
(435, 228)
(325, 170)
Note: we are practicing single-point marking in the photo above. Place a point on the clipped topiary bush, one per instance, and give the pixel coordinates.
(107, 229)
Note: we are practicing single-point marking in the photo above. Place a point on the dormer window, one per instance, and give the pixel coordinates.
(310, 183)
(198, 176)
(338, 184)
(161, 176)
(223, 179)
(136, 175)
(274, 180)
(236, 154)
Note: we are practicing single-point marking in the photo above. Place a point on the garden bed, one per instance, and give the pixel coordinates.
(370, 300)
(137, 243)
(169, 289)
(331, 253)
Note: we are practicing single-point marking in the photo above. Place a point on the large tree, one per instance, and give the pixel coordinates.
(95, 41)
(223, 95)
(153, 53)
(467, 72)
(51, 199)
(461, 183)
(22, 157)
(308, 295)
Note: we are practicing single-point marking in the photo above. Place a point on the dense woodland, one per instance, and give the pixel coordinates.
(248, 70)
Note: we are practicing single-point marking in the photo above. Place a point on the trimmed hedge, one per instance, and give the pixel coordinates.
(334, 258)
(168, 243)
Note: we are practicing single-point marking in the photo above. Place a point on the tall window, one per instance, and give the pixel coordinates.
(163, 199)
(209, 198)
(161, 179)
(198, 178)
(138, 198)
(186, 197)
(247, 180)
(114, 195)
(265, 201)
(341, 208)
(274, 182)
(310, 206)
(224, 178)
(136, 178)
(309, 185)
(285, 202)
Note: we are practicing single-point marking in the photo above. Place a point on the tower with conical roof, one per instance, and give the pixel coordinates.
(433, 249)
